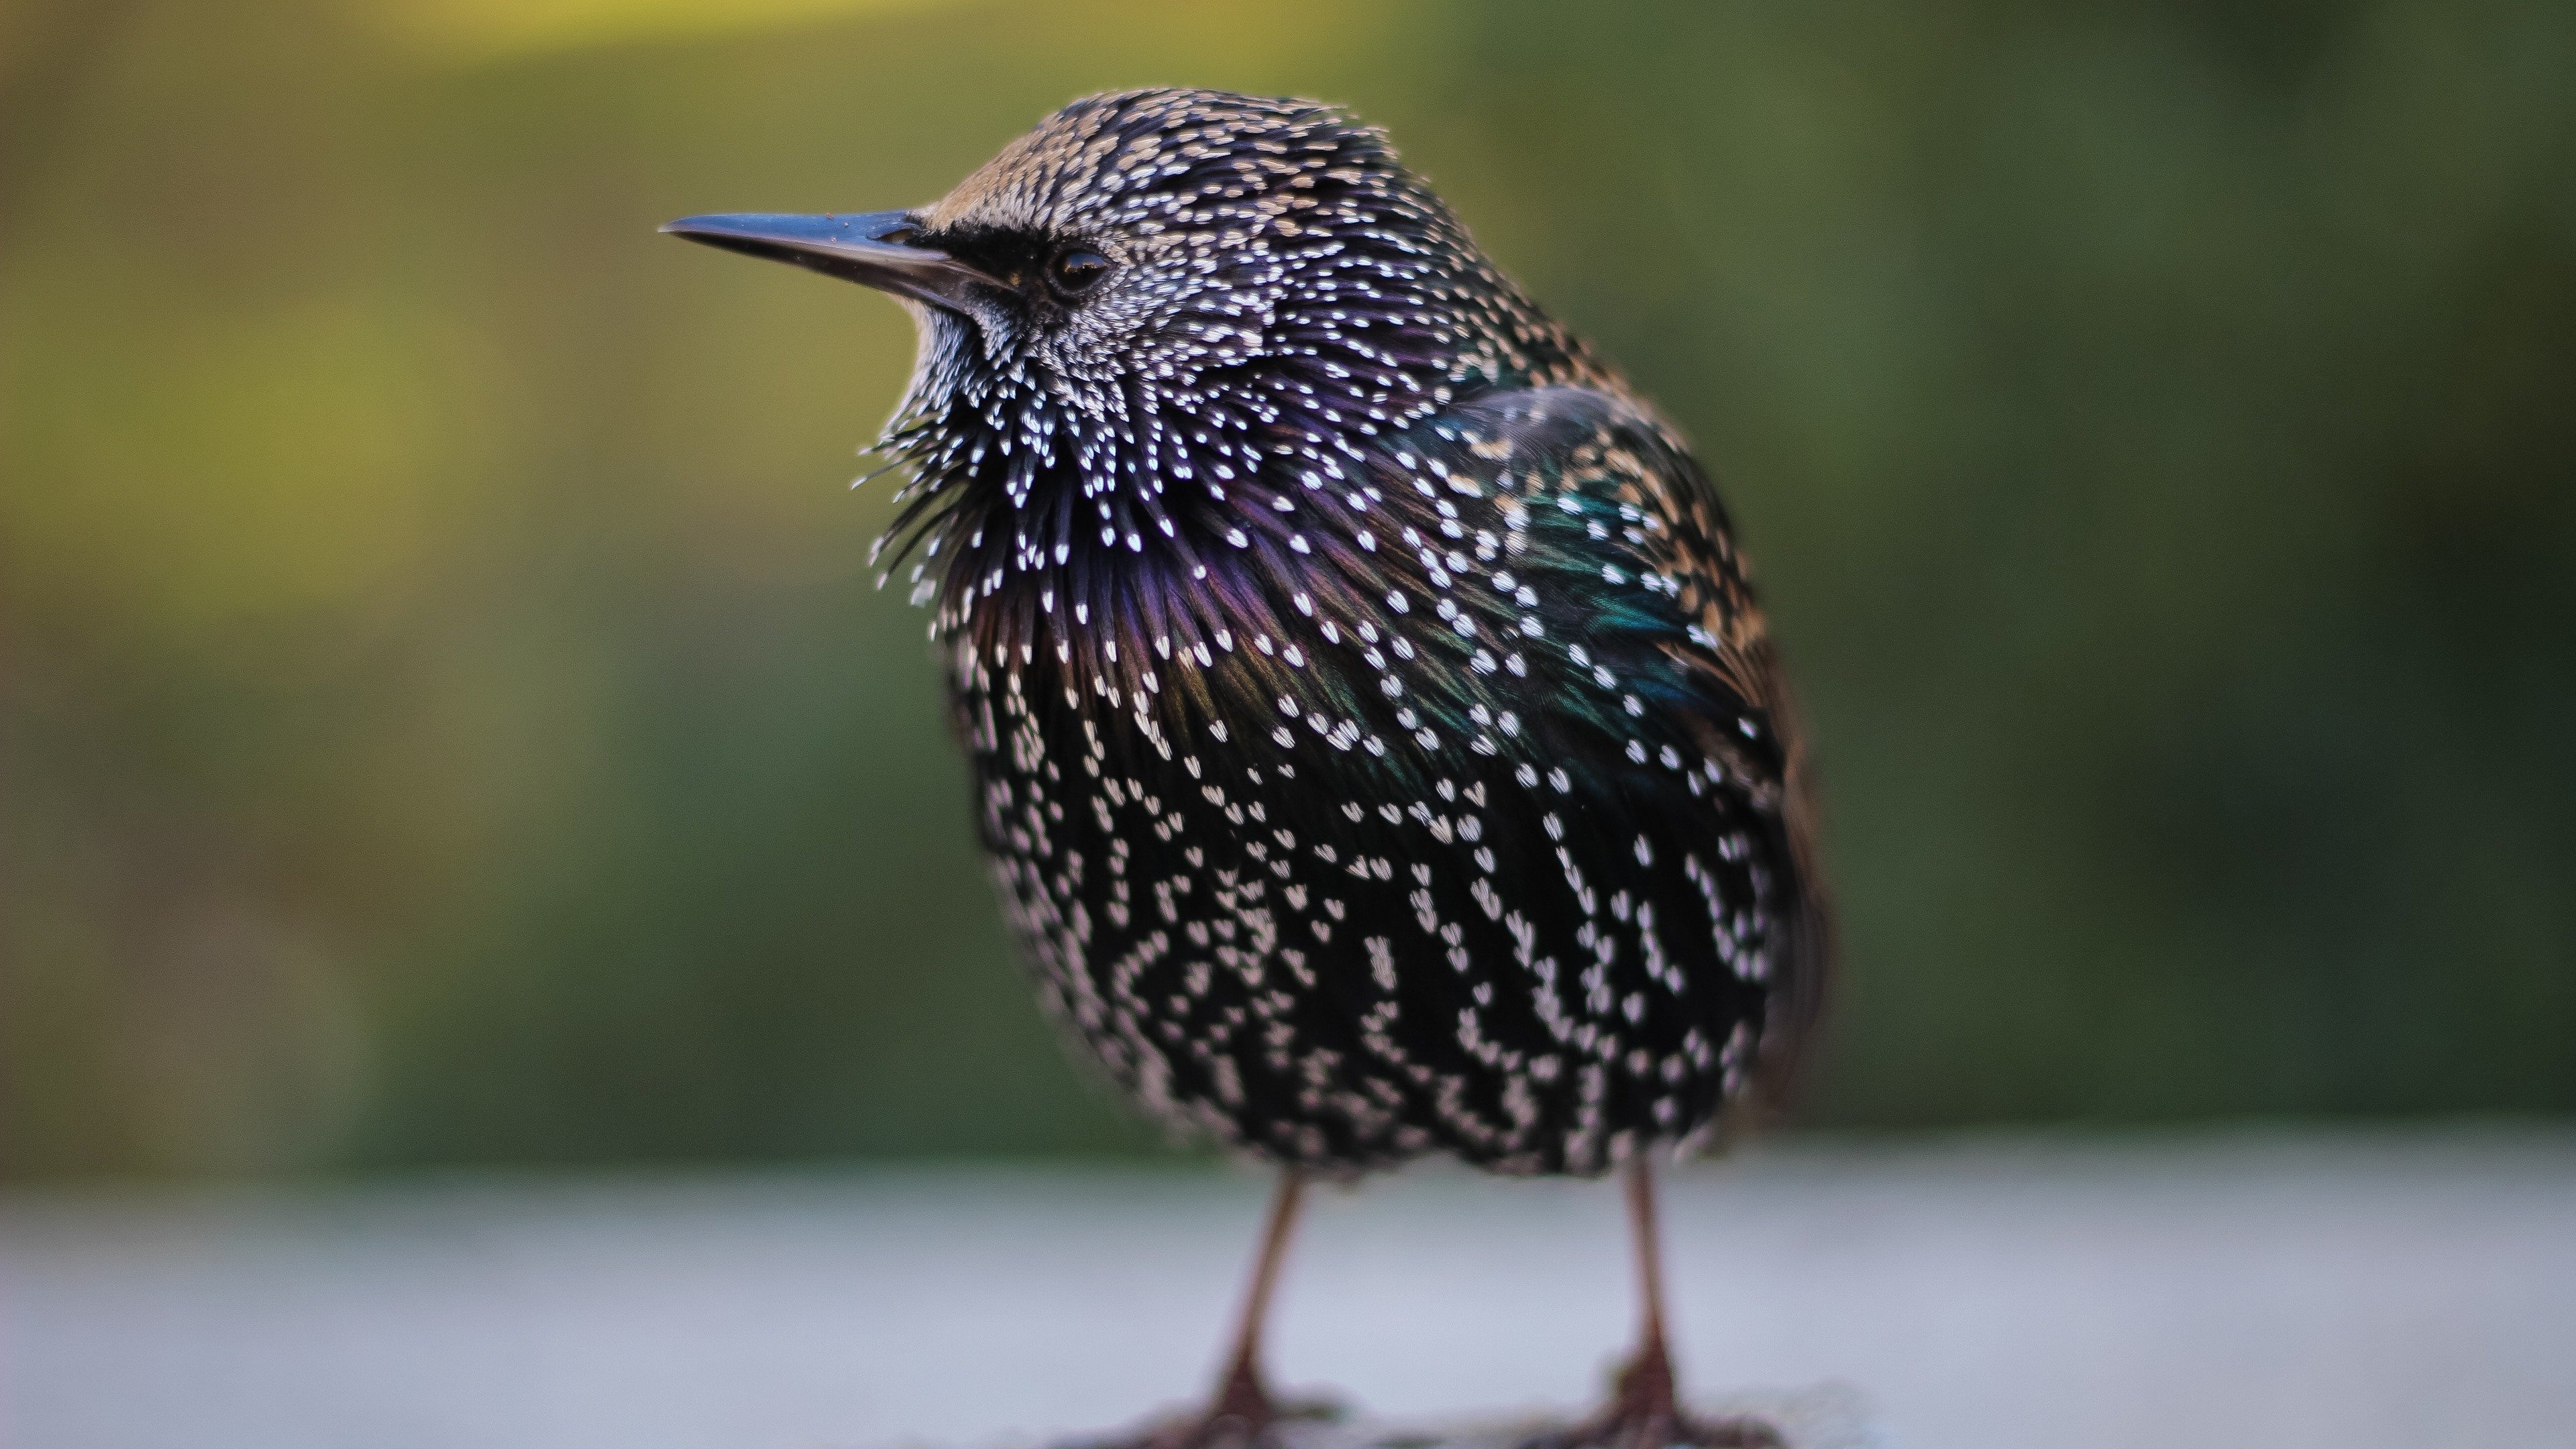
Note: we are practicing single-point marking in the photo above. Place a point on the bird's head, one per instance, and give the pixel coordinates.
(1146, 314)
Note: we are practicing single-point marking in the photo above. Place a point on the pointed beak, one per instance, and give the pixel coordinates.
(873, 248)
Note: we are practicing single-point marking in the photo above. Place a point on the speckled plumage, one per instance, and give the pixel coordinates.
(1375, 738)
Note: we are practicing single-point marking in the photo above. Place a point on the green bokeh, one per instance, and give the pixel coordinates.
(445, 715)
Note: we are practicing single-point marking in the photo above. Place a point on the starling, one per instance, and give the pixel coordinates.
(1376, 741)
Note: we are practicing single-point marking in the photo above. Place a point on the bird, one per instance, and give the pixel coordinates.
(1376, 740)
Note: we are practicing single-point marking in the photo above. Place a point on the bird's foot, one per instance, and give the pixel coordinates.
(1675, 1430)
(1644, 1413)
(1245, 1415)
(1220, 1428)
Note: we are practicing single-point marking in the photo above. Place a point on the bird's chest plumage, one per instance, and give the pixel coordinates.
(1344, 872)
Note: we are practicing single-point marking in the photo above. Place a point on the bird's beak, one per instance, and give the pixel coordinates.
(871, 248)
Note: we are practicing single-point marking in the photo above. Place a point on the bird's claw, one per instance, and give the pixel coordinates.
(1229, 1425)
(1616, 1430)
(1644, 1414)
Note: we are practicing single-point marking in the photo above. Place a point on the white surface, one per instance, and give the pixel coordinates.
(2265, 1291)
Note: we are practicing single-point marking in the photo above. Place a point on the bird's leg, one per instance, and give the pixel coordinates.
(1644, 1388)
(1645, 1409)
(1243, 1393)
(1244, 1410)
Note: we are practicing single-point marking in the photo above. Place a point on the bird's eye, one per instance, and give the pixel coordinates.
(1077, 270)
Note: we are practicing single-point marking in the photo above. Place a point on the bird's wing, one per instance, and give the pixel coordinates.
(1650, 655)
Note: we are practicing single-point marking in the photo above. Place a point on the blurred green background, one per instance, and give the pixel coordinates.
(444, 716)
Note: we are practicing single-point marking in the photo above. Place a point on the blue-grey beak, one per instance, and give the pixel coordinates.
(872, 248)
